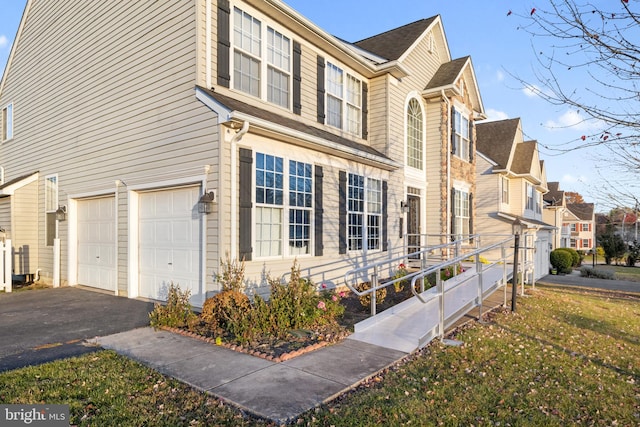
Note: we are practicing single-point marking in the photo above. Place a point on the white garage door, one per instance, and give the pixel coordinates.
(169, 242)
(96, 243)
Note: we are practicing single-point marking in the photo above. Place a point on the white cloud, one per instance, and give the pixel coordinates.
(4, 41)
(572, 179)
(531, 91)
(493, 115)
(574, 120)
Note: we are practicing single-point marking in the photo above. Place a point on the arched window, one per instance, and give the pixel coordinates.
(415, 134)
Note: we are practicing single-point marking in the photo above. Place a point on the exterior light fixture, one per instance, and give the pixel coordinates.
(517, 230)
(61, 213)
(205, 204)
(404, 207)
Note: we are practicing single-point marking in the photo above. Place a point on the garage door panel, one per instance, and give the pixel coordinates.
(169, 242)
(96, 243)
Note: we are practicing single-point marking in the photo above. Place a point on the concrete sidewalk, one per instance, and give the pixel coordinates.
(274, 391)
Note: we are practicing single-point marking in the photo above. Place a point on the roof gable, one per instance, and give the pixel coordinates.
(497, 140)
(583, 211)
(555, 196)
(393, 44)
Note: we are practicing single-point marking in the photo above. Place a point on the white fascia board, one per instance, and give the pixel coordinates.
(9, 190)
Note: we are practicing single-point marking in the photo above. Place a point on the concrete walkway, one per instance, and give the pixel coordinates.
(274, 391)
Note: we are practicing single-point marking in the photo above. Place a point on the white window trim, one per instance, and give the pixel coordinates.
(52, 210)
(365, 216)
(416, 173)
(7, 111)
(265, 24)
(344, 102)
(464, 112)
(285, 207)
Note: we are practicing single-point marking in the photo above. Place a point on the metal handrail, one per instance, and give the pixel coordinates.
(437, 268)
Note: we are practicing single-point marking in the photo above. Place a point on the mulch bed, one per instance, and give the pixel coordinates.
(303, 341)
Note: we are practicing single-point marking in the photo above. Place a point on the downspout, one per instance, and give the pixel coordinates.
(234, 186)
(448, 216)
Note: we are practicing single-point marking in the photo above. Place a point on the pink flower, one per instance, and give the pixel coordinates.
(324, 286)
(334, 298)
(322, 306)
(401, 266)
(342, 294)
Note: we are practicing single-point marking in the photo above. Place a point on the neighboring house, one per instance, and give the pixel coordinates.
(579, 219)
(118, 118)
(512, 181)
(555, 206)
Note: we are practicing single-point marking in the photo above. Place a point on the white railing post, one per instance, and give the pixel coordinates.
(440, 287)
(6, 274)
(504, 273)
(480, 286)
(56, 263)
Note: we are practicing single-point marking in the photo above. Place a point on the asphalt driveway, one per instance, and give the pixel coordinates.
(47, 324)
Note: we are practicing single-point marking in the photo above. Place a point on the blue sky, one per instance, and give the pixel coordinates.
(481, 29)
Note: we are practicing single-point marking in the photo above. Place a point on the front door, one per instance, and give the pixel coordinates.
(413, 224)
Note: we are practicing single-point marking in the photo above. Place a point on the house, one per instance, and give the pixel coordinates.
(511, 177)
(553, 212)
(579, 219)
(145, 141)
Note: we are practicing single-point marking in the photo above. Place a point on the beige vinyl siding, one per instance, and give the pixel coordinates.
(25, 235)
(5, 217)
(309, 83)
(434, 169)
(110, 93)
(488, 192)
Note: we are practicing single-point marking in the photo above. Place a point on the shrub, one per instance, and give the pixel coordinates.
(176, 313)
(365, 299)
(576, 259)
(232, 275)
(400, 273)
(227, 311)
(595, 273)
(561, 260)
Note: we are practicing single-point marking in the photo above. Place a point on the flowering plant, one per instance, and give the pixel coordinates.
(401, 271)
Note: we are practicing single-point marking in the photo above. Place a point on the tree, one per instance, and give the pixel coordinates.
(573, 197)
(613, 245)
(598, 41)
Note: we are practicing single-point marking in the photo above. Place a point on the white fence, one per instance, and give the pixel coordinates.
(5, 265)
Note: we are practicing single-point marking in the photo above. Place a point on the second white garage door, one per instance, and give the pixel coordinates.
(96, 243)
(169, 242)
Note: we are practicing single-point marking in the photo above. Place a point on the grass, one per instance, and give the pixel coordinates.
(623, 272)
(566, 357)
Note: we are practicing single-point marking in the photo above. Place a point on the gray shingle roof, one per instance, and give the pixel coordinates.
(236, 105)
(583, 211)
(555, 196)
(447, 73)
(523, 157)
(394, 43)
(495, 139)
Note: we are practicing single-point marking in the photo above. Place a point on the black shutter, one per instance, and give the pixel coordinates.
(453, 214)
(297, 78)
(318, 211)
(385, 216)
(321, 90)
(470, 213)
(365, 110)
(453, 130)
(470, 141)
(342, 213)
(246, 169)
(224, 43)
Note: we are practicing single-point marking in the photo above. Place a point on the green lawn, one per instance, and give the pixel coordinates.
(623, 272)
(566, 357)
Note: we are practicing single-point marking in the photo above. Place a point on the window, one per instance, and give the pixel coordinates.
(573, 227)
(530, 200)
(585, 226)
(573, 243)
(364, 213)
(50, 207)
(7, 122)
(505, 190)
(271, 205)
(415, 137)
(461, 135)
(586, 243)
(344, 94)
(248, 59)
(461, 214)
